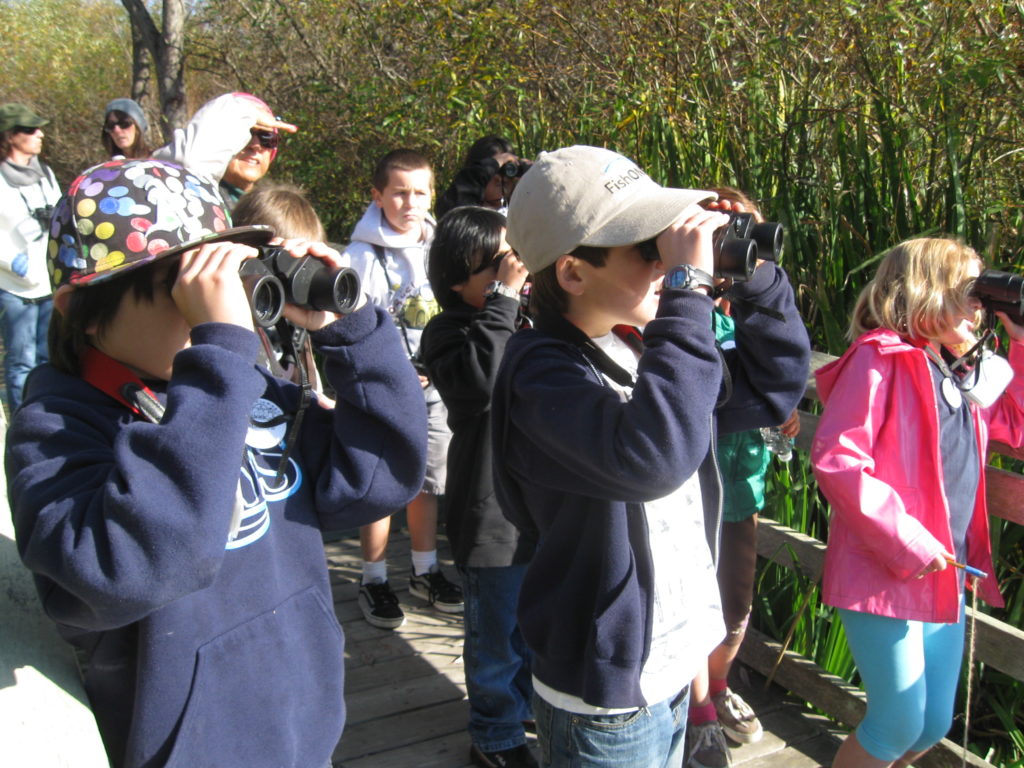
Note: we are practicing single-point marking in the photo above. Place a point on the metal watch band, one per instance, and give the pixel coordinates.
(498, 287)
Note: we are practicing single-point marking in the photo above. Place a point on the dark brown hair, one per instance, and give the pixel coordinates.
(139, 150)
(398, 160)
(546, 295)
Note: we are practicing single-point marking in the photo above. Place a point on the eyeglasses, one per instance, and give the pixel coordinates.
(26, 129)
(124, 125)
(267, 139)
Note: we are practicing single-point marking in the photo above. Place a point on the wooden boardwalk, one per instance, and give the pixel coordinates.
(406, 695)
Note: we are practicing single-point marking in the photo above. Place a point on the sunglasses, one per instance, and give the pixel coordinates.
(26, 129)
(267, 139)
(649, 250)
(492, 263)
(124, 125)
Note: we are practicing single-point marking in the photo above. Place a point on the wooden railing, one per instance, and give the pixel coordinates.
(997, 644)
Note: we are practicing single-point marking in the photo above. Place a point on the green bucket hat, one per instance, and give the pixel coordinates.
(13, 115)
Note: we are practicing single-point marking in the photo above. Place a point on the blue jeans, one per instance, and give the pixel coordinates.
(24, 327)
(910, 671)
(496, 658)
(651, 737)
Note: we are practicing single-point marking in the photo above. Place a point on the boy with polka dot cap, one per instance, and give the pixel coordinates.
(174, 541)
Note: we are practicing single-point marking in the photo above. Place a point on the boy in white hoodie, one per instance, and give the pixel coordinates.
(389, 250)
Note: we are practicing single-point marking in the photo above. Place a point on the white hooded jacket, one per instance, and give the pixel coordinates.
(400, 284)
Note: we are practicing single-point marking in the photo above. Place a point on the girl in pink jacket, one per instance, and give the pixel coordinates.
(899, 453)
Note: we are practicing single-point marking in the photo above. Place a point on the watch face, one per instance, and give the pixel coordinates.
(685, 276)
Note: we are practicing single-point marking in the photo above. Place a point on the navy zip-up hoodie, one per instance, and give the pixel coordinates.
(201, 647)
(575, 464)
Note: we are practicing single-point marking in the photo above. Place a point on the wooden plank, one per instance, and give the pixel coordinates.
(1004, 492)
(787, 546)
(818, 359)
(401, 696)
(448, 751)
(377, 650)
(804, 678)
(808, 426)
(999, 645)
(402, 669)
(402, 729)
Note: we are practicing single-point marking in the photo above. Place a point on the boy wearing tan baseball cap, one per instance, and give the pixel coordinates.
(603, 421)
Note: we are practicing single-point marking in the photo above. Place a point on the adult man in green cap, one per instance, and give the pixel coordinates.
(28, 192)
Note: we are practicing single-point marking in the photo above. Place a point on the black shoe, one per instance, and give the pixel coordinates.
(517, 757)
(437, 590)
(380, 605)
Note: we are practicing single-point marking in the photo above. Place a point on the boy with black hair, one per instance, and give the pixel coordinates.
(389, 251)
(165, 495)
(477, 278)
(603, 446)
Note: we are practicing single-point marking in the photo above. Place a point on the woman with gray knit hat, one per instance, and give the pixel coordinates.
(124, 130)
(28, 192)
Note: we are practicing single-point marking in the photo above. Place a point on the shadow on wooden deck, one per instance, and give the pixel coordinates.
(405, 689)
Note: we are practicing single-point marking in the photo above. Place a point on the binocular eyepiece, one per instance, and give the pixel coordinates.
(1000, 292)
(514, 169)
(275, 278)
(737, 246)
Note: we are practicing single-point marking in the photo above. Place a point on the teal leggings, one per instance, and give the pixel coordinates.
(910, 671)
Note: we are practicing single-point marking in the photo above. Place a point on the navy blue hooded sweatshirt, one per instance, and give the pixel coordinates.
(200, 647)
(575, 464)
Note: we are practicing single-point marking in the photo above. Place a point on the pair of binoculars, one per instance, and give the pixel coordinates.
(275, 278)
(737, 246)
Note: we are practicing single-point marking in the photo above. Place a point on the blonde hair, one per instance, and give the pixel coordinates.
(918, 288)
(283, 207)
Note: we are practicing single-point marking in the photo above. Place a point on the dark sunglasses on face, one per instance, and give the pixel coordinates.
(267, 139)
(124, 125)
(26, 129)
(492, 263)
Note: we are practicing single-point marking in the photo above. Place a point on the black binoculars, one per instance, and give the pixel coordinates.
(514, 169)
(275, 278)
(1001, 292)
(737, 246)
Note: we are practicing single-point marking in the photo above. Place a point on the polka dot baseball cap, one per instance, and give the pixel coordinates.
(124, 214)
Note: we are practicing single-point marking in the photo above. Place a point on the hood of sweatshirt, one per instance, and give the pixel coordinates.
(373, 228)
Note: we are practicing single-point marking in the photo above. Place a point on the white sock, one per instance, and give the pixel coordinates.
(422, 562)
(377, 571)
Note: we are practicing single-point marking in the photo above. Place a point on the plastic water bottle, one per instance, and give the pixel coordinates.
(778, 443)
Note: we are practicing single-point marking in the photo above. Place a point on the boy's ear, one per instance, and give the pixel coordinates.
(568, 274)
(376, 197)
(459, 287)
(62, 297)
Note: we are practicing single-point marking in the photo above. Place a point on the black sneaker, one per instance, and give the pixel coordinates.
(380, 605)
(437, 590)
(517, 757)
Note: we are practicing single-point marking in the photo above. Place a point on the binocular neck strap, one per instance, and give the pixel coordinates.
(118, 381)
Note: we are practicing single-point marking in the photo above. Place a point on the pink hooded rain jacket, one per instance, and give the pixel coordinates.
(876, 459)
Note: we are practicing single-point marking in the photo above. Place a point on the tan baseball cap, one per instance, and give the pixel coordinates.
(589, 196)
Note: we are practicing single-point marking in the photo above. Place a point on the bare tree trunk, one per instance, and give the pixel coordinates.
(142, 66)
(166, 50)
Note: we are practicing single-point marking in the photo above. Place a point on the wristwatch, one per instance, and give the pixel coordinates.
(498, 287)
(685, 276)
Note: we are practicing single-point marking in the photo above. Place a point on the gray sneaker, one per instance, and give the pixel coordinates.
(737, 718)
(707, 746)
